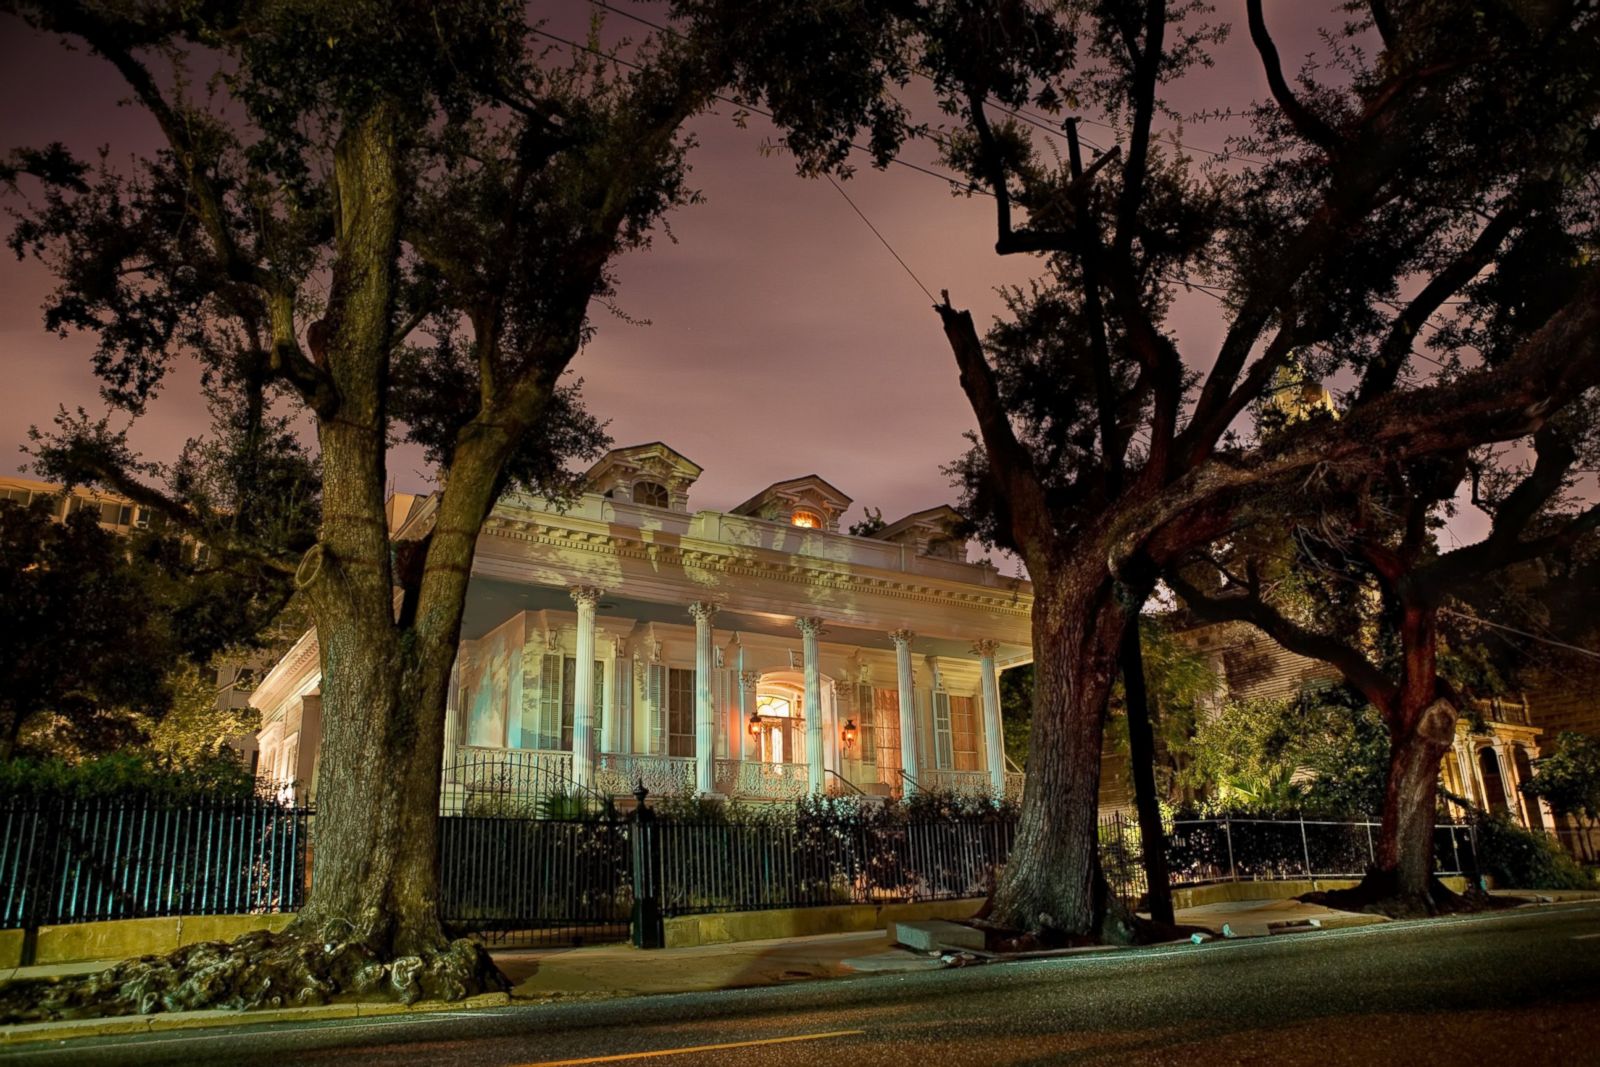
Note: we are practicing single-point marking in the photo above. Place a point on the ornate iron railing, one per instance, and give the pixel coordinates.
(967, 783)
(504, 781)
(1015, 780)
(762, 781)
(619, 774)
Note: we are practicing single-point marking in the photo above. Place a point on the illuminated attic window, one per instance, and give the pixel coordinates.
(808, 519)
(651, 494)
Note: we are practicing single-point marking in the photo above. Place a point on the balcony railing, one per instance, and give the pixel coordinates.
(619, 774)
(940, 780)
(762, 781)
(488, 778)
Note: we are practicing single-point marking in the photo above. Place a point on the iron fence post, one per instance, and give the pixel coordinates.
(1305, 847)
(1227, 830)
(1455, 847)
(1372, 853)
(648, 931)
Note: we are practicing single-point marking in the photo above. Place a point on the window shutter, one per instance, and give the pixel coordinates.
(549, 724)
(944, 748)
(655, 698)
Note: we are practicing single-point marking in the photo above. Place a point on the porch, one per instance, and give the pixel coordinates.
(482, 780)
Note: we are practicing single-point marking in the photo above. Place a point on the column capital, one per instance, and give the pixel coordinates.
(585, 596)
(809, 625)
(901, 638)
(703, 610)
(749, 679)
(985, 648)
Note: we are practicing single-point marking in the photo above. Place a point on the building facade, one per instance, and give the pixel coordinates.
(753, 654)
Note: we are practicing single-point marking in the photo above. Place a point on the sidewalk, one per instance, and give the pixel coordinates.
(547, 974)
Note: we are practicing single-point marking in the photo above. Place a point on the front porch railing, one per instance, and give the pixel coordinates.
(940, 780)
(500, 780)
(762, 781)
(618, 774)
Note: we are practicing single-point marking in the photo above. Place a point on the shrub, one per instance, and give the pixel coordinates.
(1522, 859)
(126, 774)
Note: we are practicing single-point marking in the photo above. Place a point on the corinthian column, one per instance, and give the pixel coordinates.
(908, 708)
(809, 629)
(993, 739)
(586, 597)
(705, 720)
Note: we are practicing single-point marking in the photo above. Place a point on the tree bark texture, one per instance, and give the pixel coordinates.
(1053, 884)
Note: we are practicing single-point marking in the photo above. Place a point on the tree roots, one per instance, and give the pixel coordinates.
(1379, 893)
(258, 970)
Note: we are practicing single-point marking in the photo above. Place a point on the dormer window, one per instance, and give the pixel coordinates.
(810, 520)
(651, 494)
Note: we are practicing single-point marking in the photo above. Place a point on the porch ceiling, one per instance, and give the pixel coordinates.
(490, 602)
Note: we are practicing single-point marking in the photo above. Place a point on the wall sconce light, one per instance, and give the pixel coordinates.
(849, 733)
(755, 725)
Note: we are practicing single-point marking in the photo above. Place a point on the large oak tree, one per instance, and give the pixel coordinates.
(1376, 187)
(390, 221)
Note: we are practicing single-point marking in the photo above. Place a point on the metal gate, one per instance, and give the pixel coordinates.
(526, 856)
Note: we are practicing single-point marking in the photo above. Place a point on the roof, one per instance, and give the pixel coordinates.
(794, 485)
(644, 449)
(943, 515)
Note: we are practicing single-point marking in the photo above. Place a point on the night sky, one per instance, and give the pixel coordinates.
(782, 339)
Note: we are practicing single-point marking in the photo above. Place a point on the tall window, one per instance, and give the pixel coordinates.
(965, 738)
(569, 681)
(886, 732)
(651, 494)
(557, 681)
(680, 712)
(866, 723)
(943, 742)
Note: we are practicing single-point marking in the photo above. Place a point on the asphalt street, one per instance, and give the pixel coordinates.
(1518, 987)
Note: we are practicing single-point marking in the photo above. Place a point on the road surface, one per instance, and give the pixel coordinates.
(1519, 988)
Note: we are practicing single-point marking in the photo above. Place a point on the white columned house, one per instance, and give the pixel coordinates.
(589, 655)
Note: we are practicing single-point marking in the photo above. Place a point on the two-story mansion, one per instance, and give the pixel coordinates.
(757, 653)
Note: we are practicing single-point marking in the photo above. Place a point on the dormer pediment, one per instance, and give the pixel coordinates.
(652, 474)
(809, 501)
(932, 532)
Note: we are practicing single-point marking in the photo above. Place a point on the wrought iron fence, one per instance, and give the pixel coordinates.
(700, 867)
(525, 880)
(69, 860)
(1228, 849)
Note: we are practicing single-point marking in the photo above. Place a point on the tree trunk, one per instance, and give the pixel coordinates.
(1422, 728)
(1142, 757)
(1053, 884)
(1405, 842)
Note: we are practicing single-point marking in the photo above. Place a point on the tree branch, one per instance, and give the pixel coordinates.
(1306, 122)
(1009, 461)
(1245, 607)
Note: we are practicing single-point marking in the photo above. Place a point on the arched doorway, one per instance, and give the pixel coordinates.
(778, 723)
(1494, 789)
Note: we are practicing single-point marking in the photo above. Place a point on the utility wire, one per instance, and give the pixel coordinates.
(884, 240)
(1521, 633)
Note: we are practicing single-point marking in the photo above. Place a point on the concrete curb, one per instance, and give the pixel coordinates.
(161, 1022)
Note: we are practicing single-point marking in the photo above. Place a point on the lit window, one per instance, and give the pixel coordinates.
(650, 494)
(809, 519)
(771, 704)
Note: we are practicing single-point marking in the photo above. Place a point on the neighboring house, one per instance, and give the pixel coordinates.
(757, 653)
(1496, 740)
(120, 515)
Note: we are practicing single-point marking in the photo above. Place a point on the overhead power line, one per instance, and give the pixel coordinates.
(884, 240)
